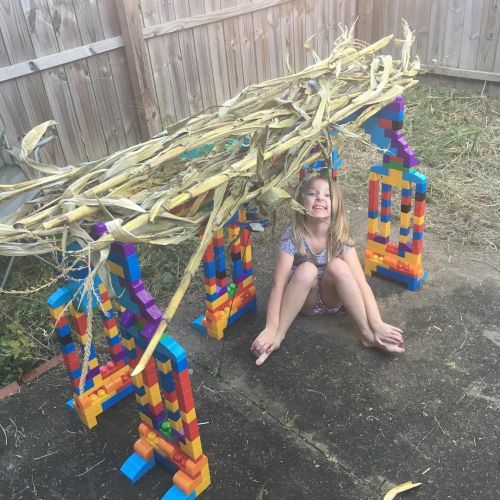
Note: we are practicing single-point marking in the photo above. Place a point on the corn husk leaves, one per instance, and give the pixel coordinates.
(191, 178)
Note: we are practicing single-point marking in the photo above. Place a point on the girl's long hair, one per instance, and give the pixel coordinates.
(338, 231)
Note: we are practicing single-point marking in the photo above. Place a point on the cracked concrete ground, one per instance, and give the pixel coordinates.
(323, 418)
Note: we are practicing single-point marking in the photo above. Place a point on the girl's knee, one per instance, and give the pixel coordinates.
(338, 269)
(306, 272)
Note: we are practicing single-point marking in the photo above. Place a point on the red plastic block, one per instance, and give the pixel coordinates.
(184, 391)
(71, 361)
(191, 430)
(385, 123)
(419, 208)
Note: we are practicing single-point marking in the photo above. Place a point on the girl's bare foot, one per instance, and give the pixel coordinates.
(386, 337)
(266, 342)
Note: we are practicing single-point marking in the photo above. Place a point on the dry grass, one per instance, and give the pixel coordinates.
(456, 136)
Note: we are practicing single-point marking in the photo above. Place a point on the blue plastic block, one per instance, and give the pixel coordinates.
(386, 188)
(411, 283)
(166, 381)
(379, 169)
(117, 397)
(417, 178)
(198, 326)
(174, 493)
(64, 331)
(68, 348)
(136, 467)
(404, 231)
(177, 355)
(406, 192)
(237, 267)
(421, 187)
(393, 115)
(418, 235)
(386, 203)
(114, 340)
(174, 415)
(385, 218)
(209, 269)
(59, 298)
(130, 265)
(140, 390)
(75, 373)
(71, 405)
(219, 251)
(372, 214)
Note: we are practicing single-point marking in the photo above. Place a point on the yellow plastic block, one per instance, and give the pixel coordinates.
(212, 306)
(153, 394)
(116, 269)
(189, 416)
(93, 363)
(373, 176)
(165, 366)
(137, 380)
(172, 406)
(129, 343)
(210, 289)
(419, 220)
(102, 288)
(376, 247)
(404, 239)
(111, 332)
(175, 424)
(385, 229)
(205, 483)
(106, 306)
(144, 418)
(247, 282)
(57, 313)
(405, 220)
(247, 254)
(192, 448)
(373, 226)
(395, 178)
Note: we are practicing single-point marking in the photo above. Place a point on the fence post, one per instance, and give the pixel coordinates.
(129, 14)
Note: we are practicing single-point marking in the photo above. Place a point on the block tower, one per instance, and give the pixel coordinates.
(226, 302)
(168, 429)
(105, 385)
(402, 261)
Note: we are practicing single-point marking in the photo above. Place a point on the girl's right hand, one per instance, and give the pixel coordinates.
(266, 342)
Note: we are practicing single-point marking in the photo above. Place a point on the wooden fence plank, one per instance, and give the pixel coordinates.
(453, 32)
(82, 92)
(286, 26)
(247, 45)
(218, 59)
(233, 51)
(56, 81)
(262, 49)
(365, 24)
(90, 29)
(159, 65)
(188, 55)
(299, 35)
(32, 94)
(471, 33)
(423, 9)
(436, 33)
(123, 85)
(202, 49)
(490, 28)
(130, 18)
(323, 44)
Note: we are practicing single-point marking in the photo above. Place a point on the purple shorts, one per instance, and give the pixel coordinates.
(320, 308)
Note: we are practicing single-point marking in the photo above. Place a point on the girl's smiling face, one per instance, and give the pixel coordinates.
(317, 198)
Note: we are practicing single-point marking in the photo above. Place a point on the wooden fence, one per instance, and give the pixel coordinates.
(114, 72)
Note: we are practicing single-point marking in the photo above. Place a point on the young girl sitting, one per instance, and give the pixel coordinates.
(318, 272)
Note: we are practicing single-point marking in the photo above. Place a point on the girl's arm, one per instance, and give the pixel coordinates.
(281, 276)
(372, 311)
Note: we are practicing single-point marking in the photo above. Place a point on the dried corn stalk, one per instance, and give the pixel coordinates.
(254, 144)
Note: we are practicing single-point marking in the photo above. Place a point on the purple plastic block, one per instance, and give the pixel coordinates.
(153, 314)
(133, 286)
(396, 106)
(121, 355)
(127, 319)
(404, 247)
(381, 239)
(92, 373)
(148, 331)
(124, 249)
(98, 229)
(143, 299)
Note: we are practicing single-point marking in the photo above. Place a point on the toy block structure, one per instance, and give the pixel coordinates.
(226, 302)
(168, 432)
(402, 261)
(105, 385)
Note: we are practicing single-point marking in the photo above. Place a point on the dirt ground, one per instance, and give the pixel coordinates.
(323, 418)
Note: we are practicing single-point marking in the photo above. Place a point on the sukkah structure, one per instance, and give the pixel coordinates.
(190, 181)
